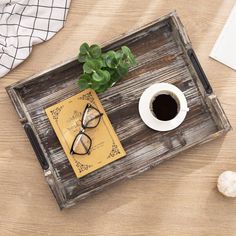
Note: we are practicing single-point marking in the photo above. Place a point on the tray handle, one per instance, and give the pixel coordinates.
(37, 149)
(199, 71)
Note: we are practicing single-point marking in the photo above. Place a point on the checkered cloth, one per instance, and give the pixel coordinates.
(24, 23)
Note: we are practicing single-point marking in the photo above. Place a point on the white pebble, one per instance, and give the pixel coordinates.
(227, 183)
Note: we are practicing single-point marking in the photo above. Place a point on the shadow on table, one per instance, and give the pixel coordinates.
(168, 176)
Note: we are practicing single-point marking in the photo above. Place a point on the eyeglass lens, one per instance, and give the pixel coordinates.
(91, 117)
(82, 144)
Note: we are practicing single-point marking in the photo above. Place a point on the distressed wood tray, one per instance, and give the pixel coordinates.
(164, 54)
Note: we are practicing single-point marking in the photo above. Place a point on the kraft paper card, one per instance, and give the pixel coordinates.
(65, 118)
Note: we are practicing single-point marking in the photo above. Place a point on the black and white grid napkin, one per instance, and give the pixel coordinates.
(24, 23)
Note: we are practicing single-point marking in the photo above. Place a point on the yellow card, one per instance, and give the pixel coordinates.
(65, 118)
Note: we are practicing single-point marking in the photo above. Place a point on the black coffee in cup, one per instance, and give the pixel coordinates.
(164, 107)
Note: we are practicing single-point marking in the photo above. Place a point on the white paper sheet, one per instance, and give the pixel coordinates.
(224, 49)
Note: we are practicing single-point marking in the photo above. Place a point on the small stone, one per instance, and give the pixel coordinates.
(227, 183)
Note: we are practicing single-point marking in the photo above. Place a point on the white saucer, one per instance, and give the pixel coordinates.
(147, 116)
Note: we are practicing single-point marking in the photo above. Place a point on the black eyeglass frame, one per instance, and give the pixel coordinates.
(84, 127)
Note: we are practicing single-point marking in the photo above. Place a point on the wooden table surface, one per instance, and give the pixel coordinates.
(179, 197)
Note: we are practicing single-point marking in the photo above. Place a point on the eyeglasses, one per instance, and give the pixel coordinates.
(90, 119)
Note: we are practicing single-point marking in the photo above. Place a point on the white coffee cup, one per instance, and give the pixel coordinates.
(146, 101)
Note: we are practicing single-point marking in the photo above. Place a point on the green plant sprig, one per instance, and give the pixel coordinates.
(103, 70)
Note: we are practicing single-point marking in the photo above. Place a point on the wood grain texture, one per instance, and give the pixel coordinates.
(178, 197)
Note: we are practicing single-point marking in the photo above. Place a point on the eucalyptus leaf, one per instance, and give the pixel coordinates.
(132, 59)
(111, 53)
(87, 67)
(84, 48)
(119, 55)
(122, 69)
(102, 88)
(100, 63)
(83, 84)
(85, 77)
(111, 60)
(115, 76)
(95, 51)
(107, 75)
(129, 55)
(92, 65)
(101, 76)
(82, 57)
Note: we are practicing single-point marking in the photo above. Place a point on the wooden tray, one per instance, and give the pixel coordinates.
(164, 54)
